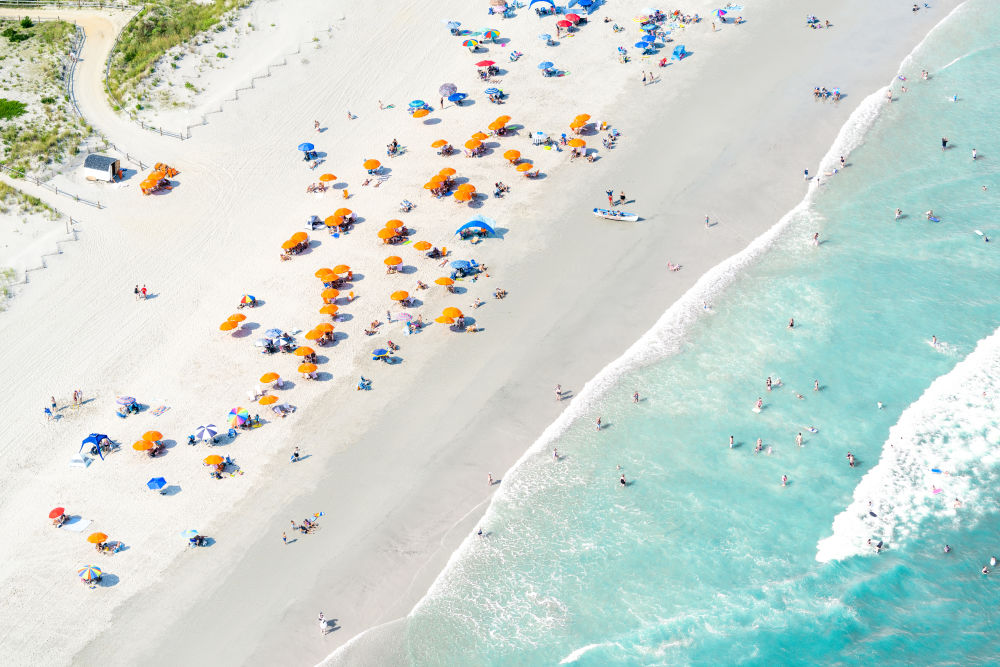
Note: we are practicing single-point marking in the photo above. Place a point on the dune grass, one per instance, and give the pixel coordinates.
(153, 32)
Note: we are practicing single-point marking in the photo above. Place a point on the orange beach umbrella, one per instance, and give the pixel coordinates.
(480, 136)
(342, 268)
(393, 261)
(420, 113)
(142, 445)
(228, 325)
(330, 293)
(448, 171)
(269, 377)
(314, 334)
(97, 538)
(303, 351)
(372, 164)
(152, 436)
(444, 280)
(393, 224)
(444, 320)
(439, 143)
(307, 368)
(451, 311)
(524, 166)
(289, 244)
(238, 317)
(512, 155)
(329, 309)
(268, 400)
(325, 327)
(212, 460)
(400, 296)
(298, 237)
(577, 143)
(502, 119)
(473, 144)
(422, 245)
(346, 211)
(386, 234)
(327, 178)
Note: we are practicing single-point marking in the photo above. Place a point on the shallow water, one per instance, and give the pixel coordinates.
(705, 558)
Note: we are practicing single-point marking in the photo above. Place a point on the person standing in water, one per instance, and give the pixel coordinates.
(899, 213)
(933, 341)
(598, 423)
(815, 385)
(730, 442)
(767, 383)
(798, 439)
(760, 403)
(944, 143)
(791, 322)
(784, 480)
(815, 240)
(622, 481)
(974, 154)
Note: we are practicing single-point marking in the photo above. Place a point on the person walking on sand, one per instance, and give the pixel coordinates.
(316, 125)
(644, 78)
(295, 455)
(323, 627)
(558, 392)
(707, 221)
(284, 538)
(489, 479)
(143, 292)
(621, 197)
(136, 292)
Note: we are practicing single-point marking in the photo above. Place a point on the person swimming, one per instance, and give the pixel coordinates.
(947, 549)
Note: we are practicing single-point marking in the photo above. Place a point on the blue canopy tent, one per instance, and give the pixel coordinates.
(94, 439)
(479, 222)
(679, 52)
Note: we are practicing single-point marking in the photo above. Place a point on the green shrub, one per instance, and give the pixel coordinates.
(26, 23)
(11, 108)
(48, 100)
(220, 54)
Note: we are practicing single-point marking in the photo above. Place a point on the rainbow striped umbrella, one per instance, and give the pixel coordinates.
(471, 43)
(89, 573)
(490, 34)
(238, 416)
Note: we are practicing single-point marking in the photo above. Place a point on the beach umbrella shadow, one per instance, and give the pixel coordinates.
(432, 121)
(108, 580)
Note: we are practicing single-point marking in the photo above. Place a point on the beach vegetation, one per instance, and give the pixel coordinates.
(41, 128)
(154, 31)
(11, 108)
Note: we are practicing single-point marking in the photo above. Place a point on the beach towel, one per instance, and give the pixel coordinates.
(160, 410)
(76, 524)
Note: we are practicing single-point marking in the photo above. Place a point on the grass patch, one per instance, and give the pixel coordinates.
(154, 31)
(11, 108)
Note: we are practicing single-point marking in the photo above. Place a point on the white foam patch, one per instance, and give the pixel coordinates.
(953, 427)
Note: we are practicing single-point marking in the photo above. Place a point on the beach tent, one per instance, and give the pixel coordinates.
(479, 222)
(101, 168)
(94, 439)
(679, 52)
(535, 2)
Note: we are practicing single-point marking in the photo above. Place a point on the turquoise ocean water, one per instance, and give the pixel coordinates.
(705, 558)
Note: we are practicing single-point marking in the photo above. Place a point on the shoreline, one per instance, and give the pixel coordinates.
(390, 542)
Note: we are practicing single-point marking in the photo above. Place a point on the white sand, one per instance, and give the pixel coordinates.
(399, 471)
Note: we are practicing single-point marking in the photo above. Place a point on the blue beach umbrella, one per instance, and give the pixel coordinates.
(649, 38)
(641, 45)
(585, 3)
(156, 483)
(379, 353)
(306, 147)
(492, 91)
(535, 2)
(457, 97)
(206, 432)
(416, 104)
(460, 264)
(545, 65)
(189, 533)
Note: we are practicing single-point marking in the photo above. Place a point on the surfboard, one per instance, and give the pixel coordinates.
(937, 470)
(756, 409)
(978, 232)
(812, 429)
(934, 218)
